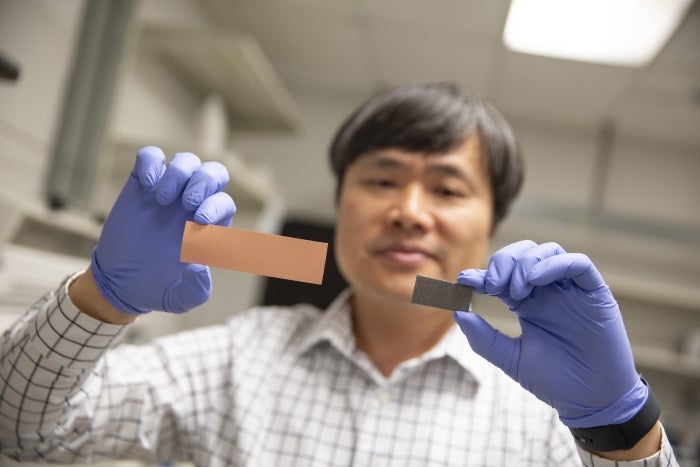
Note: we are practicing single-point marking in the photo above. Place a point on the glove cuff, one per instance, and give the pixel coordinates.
(102, 283)
(622, 436)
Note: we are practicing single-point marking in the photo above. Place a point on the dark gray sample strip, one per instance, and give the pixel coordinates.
(439, 293)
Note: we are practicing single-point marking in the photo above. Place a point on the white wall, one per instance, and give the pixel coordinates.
(39, 35)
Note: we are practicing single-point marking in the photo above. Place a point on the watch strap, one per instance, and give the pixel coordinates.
(623, 436)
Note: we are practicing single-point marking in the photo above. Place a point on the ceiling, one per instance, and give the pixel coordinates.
(357, 47)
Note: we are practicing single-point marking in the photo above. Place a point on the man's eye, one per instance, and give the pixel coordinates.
(380, 182)
(447, 192)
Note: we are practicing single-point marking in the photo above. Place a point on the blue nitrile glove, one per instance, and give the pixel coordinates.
(136, 263)
(573, 352)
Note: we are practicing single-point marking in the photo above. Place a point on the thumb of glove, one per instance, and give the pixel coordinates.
(499, 349)
(193, 289)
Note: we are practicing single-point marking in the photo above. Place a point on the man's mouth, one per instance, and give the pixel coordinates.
(406, 254)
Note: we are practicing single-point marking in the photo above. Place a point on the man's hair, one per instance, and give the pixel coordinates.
(432, 118)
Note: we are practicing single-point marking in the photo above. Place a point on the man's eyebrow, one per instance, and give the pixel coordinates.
(381, 160)
(453, 171)
(447, 169)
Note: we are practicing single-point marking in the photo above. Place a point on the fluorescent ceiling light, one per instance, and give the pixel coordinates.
(613, 32)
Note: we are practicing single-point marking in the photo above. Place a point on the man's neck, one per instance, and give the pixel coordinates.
(391, 332)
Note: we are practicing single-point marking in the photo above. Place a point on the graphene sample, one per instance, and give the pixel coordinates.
(439, 293)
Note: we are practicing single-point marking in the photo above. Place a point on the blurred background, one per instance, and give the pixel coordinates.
(612, 148)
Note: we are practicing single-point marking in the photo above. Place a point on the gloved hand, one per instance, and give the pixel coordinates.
(136, 263)
(573, 352)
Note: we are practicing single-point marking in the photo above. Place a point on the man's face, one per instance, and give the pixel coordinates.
(401, 214)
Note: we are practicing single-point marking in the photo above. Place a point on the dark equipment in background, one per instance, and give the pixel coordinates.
(9, 71)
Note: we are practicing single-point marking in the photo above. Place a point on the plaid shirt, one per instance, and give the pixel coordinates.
(273, 387)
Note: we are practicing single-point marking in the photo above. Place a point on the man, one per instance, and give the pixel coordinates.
(425, 173)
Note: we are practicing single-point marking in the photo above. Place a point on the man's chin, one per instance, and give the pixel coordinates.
(394, 285)
(400, 290)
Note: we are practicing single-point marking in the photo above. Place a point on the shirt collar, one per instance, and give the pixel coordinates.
(456, 346)
(335, 327)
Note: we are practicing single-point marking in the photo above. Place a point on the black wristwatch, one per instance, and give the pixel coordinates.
(623, 436)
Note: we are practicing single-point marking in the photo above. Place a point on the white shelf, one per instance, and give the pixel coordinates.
(667, 361)
(17, 209)
(676, 295)
(28, 273)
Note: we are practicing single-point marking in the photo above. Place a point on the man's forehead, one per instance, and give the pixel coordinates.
(398, 158)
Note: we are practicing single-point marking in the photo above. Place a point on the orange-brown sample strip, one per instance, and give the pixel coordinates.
(254, 252)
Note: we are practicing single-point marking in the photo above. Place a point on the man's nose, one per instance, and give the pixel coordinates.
(412, 209)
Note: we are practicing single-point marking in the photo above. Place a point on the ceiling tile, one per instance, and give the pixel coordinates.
(560, 91)
(351, 47)
(443, 17)
(312, 47)
(682, 48)
(228, 12)
(664, 103)
(400, 58)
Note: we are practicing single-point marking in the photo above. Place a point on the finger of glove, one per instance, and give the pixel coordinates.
(575, 266)
(501, 266)
(207, 179)
(496, 347)
(149, 166)
(176, 176)
(473, 278)
(217, 209)
(520, 286)
(193, 289)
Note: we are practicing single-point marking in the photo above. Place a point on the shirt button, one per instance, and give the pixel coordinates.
(383, 396)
